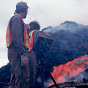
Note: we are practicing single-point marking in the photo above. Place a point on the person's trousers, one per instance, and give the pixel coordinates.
(20, 76)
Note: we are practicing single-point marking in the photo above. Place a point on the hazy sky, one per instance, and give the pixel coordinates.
(46, 12)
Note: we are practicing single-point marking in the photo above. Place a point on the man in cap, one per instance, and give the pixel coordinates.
(17, 44)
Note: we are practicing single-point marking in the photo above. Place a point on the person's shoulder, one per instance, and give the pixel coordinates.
(15, 17)
(37, 30)
(45, 35)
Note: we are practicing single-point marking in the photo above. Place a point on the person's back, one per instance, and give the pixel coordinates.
(38, 36)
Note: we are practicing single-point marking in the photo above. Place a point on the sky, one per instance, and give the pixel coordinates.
(46, 12)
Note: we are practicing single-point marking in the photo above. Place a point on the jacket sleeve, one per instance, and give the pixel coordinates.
(45, 35)
(17, 34)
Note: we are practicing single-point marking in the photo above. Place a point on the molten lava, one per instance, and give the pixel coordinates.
(63, 73)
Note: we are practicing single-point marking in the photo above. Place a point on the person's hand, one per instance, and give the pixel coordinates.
(24, 60)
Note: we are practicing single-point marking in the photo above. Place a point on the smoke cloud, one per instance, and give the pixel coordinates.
(71, 41)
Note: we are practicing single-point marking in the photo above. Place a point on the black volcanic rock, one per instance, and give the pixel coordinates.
(5, 72)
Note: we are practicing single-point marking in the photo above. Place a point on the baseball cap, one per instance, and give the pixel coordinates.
(21, 6)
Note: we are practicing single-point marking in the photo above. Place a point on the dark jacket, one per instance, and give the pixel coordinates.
(17, 34)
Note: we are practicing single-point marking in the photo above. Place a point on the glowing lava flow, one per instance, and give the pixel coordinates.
(64, 72)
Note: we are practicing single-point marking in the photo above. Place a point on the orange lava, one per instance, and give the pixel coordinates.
(63, 73)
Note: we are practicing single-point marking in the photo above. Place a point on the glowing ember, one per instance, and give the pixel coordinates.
(64, 72)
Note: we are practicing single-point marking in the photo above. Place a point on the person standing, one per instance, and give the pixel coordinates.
(18, 47)
(36, 36)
